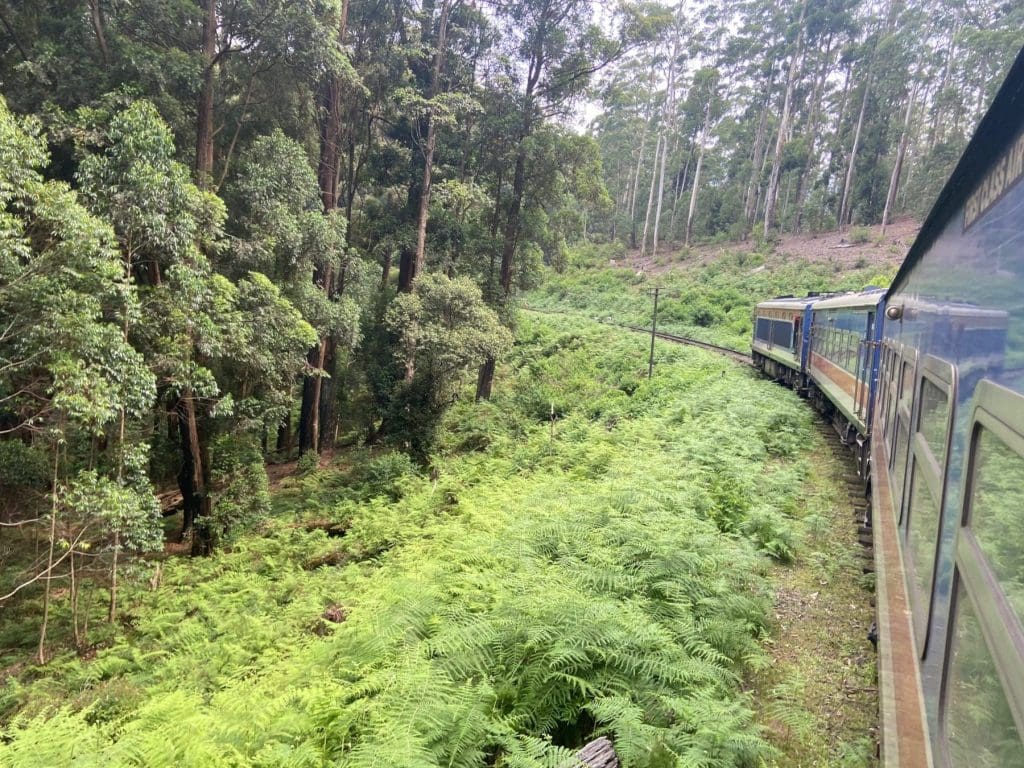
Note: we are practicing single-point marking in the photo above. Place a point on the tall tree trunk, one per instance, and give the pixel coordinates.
(677, 191)
(428, 153)
(510, 240)
(511, 235)
(670, 131)
(650, 198)
(312, 388)
(54, 507)
(771, 196)
(96, 16)
(661, 197)
(845, 203)
(812, 134)
(897, 168)
(204, 115)
(284, 435)
(636, 184)
(327, 420)
(193, 478)
(318, 402)
(696, 174)
(750, 199)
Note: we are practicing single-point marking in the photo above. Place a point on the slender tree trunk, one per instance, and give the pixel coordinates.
(309, 418)
(485, 379)
(193, 478)
(771, 197)
(639, 164)
(897, 168)
(750, 200)
(693, 195)
(511, 235)
(677, 192)
(650, 198)
(845, 203)
(327, 418)
(428, 154)
(204, 116)
(696, 174)
(670, 130)
(661, 196)
(112, 607)
(812, 134)
(75, 589)
(510, 241)
(54, 506)
(96, 16)
(284, 435)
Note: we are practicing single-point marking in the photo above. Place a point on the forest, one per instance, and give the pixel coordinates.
(262, 277)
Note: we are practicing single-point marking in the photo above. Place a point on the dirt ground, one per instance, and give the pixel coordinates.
(879, 250)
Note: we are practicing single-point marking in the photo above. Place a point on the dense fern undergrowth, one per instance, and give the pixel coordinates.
(588, 555)
(711, 302)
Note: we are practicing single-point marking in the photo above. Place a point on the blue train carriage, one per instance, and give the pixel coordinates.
(842, 363)
(948, 467)
(781, 333)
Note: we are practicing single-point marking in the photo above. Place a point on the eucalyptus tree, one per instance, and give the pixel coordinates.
(197, 326)
(281, 230)
(561, 47)
(69, 380)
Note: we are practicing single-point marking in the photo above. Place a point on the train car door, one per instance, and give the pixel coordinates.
(862, 393)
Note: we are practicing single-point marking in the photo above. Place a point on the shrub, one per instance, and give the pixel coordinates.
(859, 235)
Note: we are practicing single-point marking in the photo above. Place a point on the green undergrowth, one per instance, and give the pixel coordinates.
(588, 554)
(712, 302)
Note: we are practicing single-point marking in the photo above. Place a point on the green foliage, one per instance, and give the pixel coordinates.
(712, 303)
(554, 582)
(386, 475)
(240, 491)
(443, 330)
(859, 235)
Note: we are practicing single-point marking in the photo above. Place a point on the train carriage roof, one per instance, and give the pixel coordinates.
(866, 299)
(787, 302)
(1000, 126)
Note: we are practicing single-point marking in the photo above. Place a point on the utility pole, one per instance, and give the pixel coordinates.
(654, 332)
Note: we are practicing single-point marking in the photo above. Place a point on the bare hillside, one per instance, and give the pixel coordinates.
(856, 247)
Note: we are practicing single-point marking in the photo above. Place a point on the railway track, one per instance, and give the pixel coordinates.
(732, 353)
(736, 355)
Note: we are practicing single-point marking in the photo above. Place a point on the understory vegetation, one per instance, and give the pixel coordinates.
(587, 554)
(712, 302)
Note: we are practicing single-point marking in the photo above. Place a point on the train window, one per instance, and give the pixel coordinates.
(782, 333)
(979, 724)
(922, 533)
(997, 513)
(899, 468)
(763, 329)
(933, 419)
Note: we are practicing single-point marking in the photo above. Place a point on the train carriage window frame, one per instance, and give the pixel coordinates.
(903, 412)
(927, 469)
(962, 593)
(886, 380)
(998, 412)
(890, 370)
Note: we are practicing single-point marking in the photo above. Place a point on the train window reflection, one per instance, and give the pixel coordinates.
(933, 418)
(979, 723)
(906, 381)
(899, 468)
(997, 513)
(923, 535)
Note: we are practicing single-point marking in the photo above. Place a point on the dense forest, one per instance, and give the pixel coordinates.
(753, 117)
(235, 234)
